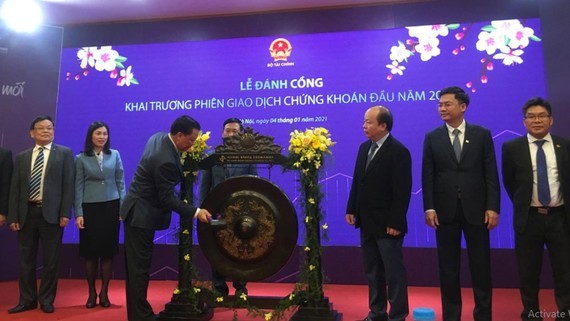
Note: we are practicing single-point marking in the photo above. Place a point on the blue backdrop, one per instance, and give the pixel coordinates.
(281, 83)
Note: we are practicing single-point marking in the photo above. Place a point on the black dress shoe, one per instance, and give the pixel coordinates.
(21, 308)
(104, 301)
(47, 308)
(91, 302)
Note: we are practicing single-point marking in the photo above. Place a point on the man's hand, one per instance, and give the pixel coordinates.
(79, 222)
(63, 221)
(491, 219)
(204, 216)
(350, 219)
(392, 232)
(2, 219)
(15, 227)
(431, 219)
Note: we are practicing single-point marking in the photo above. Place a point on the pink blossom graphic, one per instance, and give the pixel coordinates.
(126, 78)
(107, 59)
(502, 40)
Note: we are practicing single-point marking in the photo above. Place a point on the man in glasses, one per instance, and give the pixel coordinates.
(536, 173)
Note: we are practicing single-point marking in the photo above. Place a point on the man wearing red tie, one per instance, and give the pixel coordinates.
(536, 173)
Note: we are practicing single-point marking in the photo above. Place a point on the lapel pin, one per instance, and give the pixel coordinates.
(467, 141)
(557, 146)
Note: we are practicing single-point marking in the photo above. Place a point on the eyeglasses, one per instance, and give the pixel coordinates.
(535, 117)
(41, 129)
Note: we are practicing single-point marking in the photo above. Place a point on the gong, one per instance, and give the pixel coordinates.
(254, 231)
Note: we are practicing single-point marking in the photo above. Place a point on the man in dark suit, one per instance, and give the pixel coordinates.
(378, 204)
(41, 195)
(6, 166)
(461, 193)
(536, 174)
(148, 206)
(214, 176)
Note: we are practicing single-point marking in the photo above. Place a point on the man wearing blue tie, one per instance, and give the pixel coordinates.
(536, 173)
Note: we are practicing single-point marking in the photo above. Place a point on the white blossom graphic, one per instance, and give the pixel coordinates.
(500, 40)
(106, 59)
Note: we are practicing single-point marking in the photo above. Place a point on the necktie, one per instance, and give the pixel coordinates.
(457, 144)
(542, 175)
(36, 175)
(371, 152)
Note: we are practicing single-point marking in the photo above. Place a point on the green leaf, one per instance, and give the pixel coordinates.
(507, 41)
(453, 26)
(134, 81)
(535, 38)
(119, 64)
(121, 59)
(489, 28)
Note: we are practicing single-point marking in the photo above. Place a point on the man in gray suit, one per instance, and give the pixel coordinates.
(5, 175)
(148, 207)
(41, 195)
(214, 176)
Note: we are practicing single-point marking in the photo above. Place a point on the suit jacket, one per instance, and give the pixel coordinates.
(474, 178)
(6, 167)
(217, 174)
(518, 176)
(380, 194)
(94, 185)
(57, 194)
(152, 197)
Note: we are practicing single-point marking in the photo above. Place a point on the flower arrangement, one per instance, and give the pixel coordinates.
(187, 292)
(307, 150)
(194, 155)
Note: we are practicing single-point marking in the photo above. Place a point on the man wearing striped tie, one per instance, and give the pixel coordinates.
(41, 195)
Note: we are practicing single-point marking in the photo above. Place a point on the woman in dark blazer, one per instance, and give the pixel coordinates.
(99, 190)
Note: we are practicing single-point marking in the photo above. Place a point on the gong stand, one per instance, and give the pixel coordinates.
(245, 244)
(186, 303)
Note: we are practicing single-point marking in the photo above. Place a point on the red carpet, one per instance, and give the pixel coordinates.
(350, 300)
